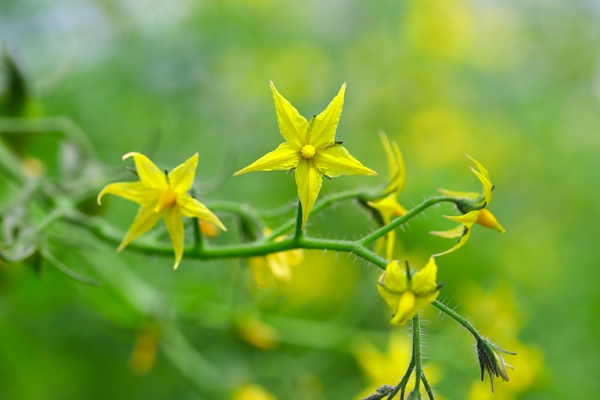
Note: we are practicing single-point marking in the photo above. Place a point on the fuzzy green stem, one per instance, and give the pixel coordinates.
(298, 231)
(198, 235)
(417, 350)
(455, 316)
(244, 250)
(321, 205)
(427, 387)
(406, 217)
(404, 380)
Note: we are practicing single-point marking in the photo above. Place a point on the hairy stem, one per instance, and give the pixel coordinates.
(404, 380)
(417, 350)
(427, 387)
(455, 316)
(373, 236)
(258, 248)
(321, 205)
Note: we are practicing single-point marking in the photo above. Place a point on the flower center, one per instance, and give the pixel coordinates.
(167, 198)
(308, 151)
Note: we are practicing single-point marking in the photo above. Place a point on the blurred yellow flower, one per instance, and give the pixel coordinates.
(161, 194)
(144, 353)
(310, 148)
(252, 392)
(387, 368)
(257, 333)
(275, 266)
(481, 216)
(408, 292)
(208, 229)
(388, 206)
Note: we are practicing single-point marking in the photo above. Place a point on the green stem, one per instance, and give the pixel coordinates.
(244, 250)
(321, 205)
(402, 220)
(404, 380)
(298, 232)
(427, 387)
(417, 350)
(198, 235)
(461, 320)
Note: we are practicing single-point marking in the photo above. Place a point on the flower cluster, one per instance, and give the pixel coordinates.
(312, 152)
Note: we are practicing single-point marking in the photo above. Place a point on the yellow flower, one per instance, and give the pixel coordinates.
(257, 333)
(161, 194)
(275, 266)
(252, 392)
(388, 206)
(481, 215)
(408, 292)
(310, 149)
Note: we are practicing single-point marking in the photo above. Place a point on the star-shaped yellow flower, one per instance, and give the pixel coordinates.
(161, 195)
(388, 206)
(406, 292)
(481, 216)
(310, 148)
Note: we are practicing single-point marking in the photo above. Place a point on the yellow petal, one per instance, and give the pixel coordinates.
(388, 207)
(395, 279)
(390, 298)
(480, 167)
(487, 186)
(391, 158)
(397, 172)
(452, 233)
(463, 239)
(336, 160)
(145, 219)
(400, 177)
(285, 157)
(488, 220)
(406, 308)
(181, 178)
(309, 181)
(460, 195)
(174, 222)
(134, 191)
(390, 240)
(149, 173)
(321, 131)
(292, 125)
(467, 219)
(192, 208)
(424, 281)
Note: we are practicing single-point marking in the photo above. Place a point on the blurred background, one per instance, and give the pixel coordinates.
(514, 84)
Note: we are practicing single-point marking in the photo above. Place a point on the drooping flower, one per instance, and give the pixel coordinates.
(388, 206)
(408, 292)
(275, 266)
(491, 361)
(161, 194)
(310, 149)
(478, 214)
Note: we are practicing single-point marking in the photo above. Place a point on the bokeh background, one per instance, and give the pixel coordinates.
(515, 84)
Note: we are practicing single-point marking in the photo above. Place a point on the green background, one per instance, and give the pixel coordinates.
(514, 84)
